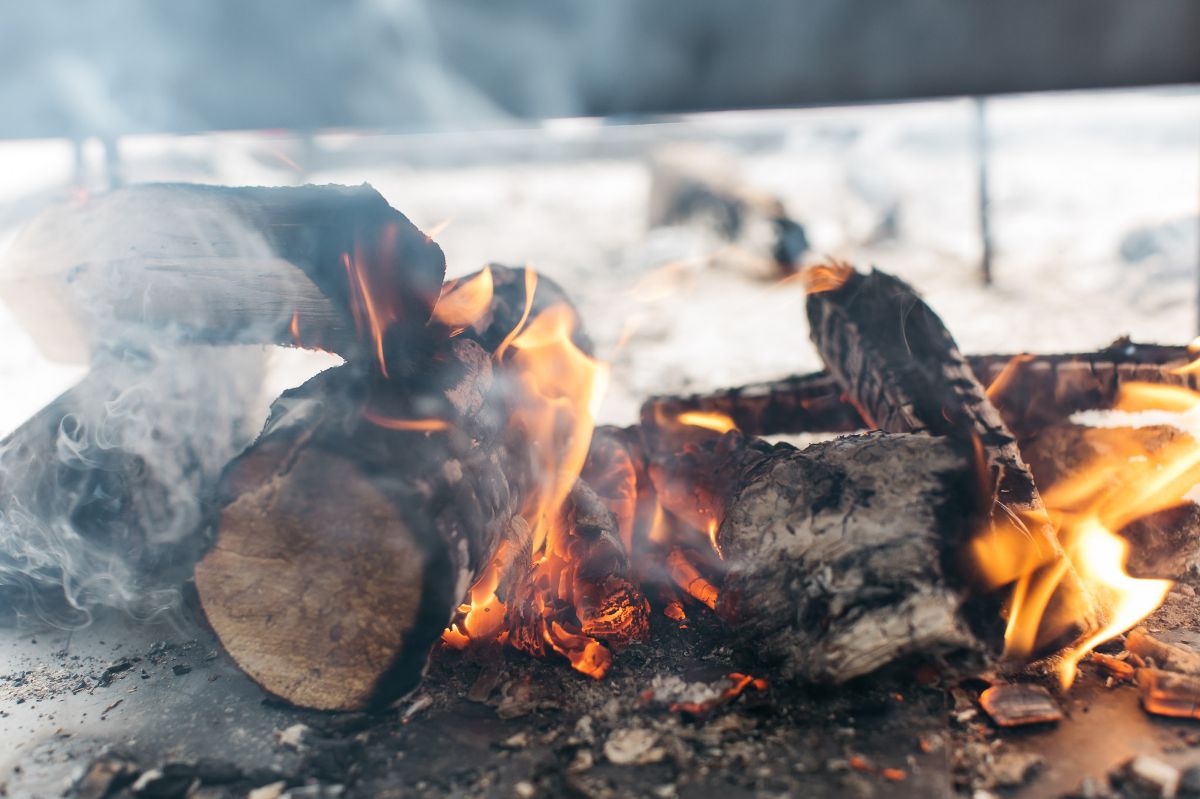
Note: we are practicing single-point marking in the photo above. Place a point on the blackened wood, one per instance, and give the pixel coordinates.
(838, 558)
(902, 369)
(1040, 390)
(217, 264)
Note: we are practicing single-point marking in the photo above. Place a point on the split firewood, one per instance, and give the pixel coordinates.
(838, 558)
(1030, 391)
(212, 264)
(901, 368)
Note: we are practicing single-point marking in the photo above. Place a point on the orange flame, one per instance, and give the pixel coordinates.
(718, 422)
(1088, 509)
(825, 277)
(463, 302)
(558, 388)
(375, 307)
(1007, 375)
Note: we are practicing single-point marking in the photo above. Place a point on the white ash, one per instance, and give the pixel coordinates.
(671, 689)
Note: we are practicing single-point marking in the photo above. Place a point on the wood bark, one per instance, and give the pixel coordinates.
(214, 264)
(345, 542)
(1039, 390)
(838, 558)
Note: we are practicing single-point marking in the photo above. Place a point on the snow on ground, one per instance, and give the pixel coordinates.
(1072, 177)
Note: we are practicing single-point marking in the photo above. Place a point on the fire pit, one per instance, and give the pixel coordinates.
(435, 572)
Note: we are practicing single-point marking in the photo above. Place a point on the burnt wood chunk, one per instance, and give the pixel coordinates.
(215, 264)
(1166, 693)
(1020, 704)
(901, 367)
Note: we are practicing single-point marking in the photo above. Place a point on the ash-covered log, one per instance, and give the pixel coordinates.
(838, 558)
(902, 369)
(215, 264)
(1030, 391)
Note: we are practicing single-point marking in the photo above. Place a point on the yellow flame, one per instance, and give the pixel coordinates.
(463, 302)
(1088, 509)
(719, 422)
(561, 388)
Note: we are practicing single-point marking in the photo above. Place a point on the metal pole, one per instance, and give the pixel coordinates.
(981, 161)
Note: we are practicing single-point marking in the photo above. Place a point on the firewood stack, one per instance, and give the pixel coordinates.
(446, 481)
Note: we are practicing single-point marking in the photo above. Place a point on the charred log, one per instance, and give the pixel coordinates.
(902, 369)
(213, 264)
(1036, 391)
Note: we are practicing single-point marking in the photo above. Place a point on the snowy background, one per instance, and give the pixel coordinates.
(1094, 203)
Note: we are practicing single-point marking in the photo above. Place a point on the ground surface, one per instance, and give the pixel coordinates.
(164, 695)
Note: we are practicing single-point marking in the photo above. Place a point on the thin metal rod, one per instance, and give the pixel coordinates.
(981, 161)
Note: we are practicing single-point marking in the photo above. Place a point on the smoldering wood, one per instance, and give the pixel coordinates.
(838, 558)
(902, 369)
(100, 491)
(1041, 390)
(1162, 544)
(214, 264)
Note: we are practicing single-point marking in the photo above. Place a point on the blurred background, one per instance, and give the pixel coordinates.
(1034, 168)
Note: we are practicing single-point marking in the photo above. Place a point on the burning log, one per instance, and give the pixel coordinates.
(902, 369)
(401, 542)
(1030, 391)
(838, 558)
(214, 264)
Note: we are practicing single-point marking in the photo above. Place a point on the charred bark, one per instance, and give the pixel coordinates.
(838, 558)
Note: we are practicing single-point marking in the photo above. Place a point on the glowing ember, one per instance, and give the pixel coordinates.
(688, 577)
(414, 425)
(1088, 509)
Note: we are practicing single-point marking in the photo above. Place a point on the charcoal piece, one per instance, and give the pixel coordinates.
(1020, 704)
(1165, 693)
